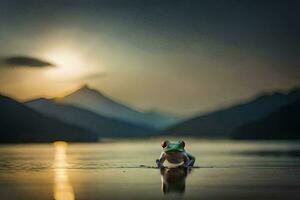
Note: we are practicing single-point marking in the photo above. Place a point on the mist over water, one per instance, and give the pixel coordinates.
(124, 169)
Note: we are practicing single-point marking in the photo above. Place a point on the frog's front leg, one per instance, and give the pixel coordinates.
(190, 163)
(161, 160)
(190, 160)
(159, 164)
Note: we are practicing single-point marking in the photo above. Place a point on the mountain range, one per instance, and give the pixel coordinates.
(284, 123)
(22, 124)
(95, 101)
(89, 120)
(86, 114)
(223, 122)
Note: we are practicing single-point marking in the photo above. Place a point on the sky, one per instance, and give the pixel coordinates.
(183, 57)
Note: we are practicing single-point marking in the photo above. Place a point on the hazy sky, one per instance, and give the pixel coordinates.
(179, 56)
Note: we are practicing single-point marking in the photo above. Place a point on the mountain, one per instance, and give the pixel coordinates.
(284, 123)
(95, 101)
(22, 124)
(160, 119)
(222, 122)
(98, 124)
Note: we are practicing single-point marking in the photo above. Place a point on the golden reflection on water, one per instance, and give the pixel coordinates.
(63, 190)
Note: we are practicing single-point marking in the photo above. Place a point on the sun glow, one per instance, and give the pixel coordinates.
(65, 57)
(69, 63)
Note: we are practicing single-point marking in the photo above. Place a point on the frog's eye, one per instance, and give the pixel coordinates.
(182, 143)
(165, 143)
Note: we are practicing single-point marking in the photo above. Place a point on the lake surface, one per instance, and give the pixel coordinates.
(125, 170)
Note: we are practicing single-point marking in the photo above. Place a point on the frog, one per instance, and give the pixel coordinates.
(175, 155)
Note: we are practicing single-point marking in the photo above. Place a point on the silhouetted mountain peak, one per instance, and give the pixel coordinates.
(87, 89)
(93, 100)
(39, 100)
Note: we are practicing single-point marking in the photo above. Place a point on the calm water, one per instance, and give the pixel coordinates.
(123, 170)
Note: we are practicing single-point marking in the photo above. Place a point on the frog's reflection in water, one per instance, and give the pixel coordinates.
(173, 179)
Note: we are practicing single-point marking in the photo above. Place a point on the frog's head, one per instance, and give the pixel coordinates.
(173, 146)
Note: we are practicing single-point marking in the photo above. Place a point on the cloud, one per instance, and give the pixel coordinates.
(24, 61)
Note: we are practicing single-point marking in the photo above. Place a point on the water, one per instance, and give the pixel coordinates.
(125, 170)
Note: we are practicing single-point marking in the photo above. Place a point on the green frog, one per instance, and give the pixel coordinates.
(175, 155)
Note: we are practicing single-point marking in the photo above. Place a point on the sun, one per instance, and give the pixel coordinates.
(69, 63)
(65, 57)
